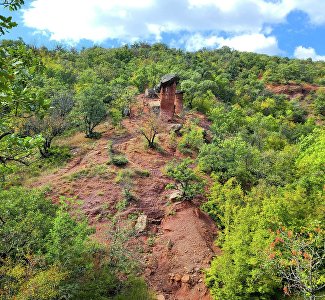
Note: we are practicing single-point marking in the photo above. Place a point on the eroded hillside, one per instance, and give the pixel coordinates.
(177, 242)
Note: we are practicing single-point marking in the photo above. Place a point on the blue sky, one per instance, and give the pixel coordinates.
(293, 28)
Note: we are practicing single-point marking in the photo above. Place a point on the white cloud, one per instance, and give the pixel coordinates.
(271, 10)
(79, 19)
(198, 41)
(248, 22)
(255, 42)
(304, 53)
(313, 8)
(98, 20)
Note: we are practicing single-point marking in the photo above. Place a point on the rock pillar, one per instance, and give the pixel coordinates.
(178, 102)
(167, 101)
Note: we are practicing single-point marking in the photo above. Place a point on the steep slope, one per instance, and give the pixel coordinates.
(177, 243)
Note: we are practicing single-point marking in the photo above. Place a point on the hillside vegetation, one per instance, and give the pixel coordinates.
(251, 153)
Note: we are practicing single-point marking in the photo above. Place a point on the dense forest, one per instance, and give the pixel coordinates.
(259, 166)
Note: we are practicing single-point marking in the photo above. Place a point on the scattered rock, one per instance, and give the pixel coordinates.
(141, 224)
(95, 212)
(150, 93)
(176, 128)
(161, 297)
(148, 272)
(126, 112)
(208, 136)
(155, 107)
(177, 277)
(155, 221)
(175, 196)
(186, 278)
(170, 244)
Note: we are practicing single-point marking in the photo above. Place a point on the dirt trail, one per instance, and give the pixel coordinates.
(178, 241)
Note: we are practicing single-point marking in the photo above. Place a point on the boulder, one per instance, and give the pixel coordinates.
(208, 136)
(186, 278)
(170, 244)
(176, 128)
(177, 277)
(155, 107)
(150, 93)
(141, 223)
(126, 112)
(175, 196)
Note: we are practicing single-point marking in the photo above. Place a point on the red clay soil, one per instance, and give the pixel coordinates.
(178, 242)
(292, 90)
(184, 247)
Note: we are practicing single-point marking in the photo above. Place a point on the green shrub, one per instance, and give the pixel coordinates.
(188, 182)
(110, 147)
(204, 102)
(142, 173)
(116, 116)
(123, 175)
(95, 170)
(59, 155)
(124, 179)
(319, 102)
(121, 205)
(192, 139)
(119, 160)
(135, 289)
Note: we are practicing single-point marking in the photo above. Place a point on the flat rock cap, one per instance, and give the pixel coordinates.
(166, 80)
(169, 78)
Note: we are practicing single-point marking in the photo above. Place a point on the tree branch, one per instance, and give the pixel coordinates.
(4, 135)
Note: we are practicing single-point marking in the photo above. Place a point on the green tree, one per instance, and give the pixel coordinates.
(232, 157)
(20, 99)
(299, 259)
(310, 161)
(192, 138)
(91, 108)
(151, 127)
(319, 102)
(121, 99)
(6, 23)
(54, 122)
(25, 221)
(241, 272)
(47, 254)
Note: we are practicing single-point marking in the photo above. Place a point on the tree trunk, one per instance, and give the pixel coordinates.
(152, 142)
(45, 151)
(89, 130)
